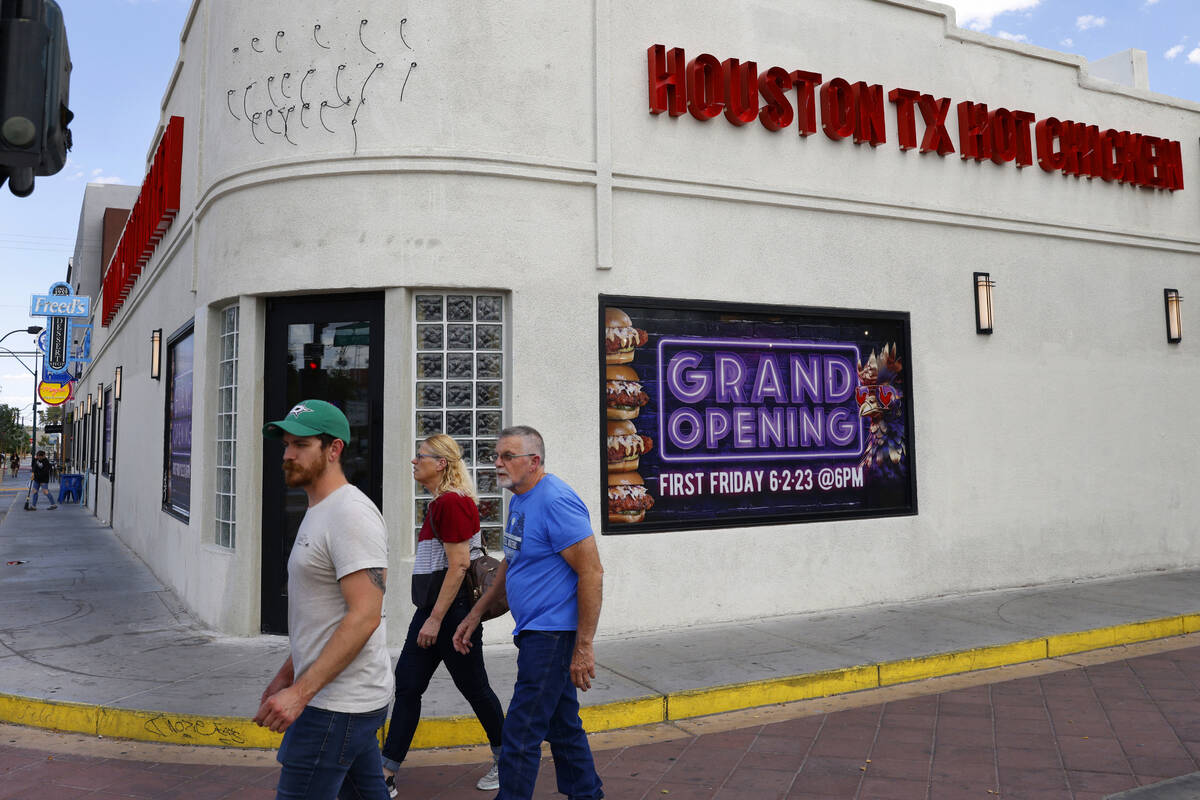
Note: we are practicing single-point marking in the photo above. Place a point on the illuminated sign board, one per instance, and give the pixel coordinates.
(717, 415)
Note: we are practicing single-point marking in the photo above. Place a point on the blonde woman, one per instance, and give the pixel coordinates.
(449, 533)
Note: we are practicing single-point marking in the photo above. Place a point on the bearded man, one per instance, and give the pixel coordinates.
(330, 696)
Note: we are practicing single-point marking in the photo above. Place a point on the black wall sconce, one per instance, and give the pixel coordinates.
(117, 385)
(983, 302)
(1172, 300)
(156, 353)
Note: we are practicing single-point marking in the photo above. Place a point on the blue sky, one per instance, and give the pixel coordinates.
(1168, 30)
(123, 52)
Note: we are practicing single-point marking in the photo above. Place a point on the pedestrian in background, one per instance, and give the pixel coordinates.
(553, 579)
(41, 480)
(330, 696)
(449, 534)
(15, 464)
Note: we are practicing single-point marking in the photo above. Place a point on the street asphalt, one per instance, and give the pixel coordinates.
(93, 642)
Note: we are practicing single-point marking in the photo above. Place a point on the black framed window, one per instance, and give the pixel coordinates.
(106, 464)
(177, 456)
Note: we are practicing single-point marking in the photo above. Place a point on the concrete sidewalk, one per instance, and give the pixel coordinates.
(92, 642)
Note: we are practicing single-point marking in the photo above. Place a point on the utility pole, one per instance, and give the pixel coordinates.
(33, 428)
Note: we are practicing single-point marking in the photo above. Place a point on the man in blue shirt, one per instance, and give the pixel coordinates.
(553, 580)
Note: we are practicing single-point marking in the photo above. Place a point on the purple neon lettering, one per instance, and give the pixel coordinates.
(743, 428)
(836, 392)
(690, 439)
(768, 382)
(841, 426)
(812, 427)
(771, 427)
(755, 427)
(806, 380)
(687, 383)
(716, 425)
(731, 372)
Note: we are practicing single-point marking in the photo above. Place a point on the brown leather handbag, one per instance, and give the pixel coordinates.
(481, 575)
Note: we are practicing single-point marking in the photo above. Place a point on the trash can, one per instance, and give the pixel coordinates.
(70, 486)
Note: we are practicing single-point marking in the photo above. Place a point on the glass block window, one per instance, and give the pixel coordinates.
(459, 390)
(226, 512)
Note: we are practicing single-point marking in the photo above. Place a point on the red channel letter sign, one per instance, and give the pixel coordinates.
(706, 87)
(151, 217)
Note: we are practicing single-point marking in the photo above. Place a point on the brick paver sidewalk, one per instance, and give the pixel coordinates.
(1072, 733)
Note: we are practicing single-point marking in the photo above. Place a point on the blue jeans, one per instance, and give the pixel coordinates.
(327, 754)
(416, 666)
(38, 488)
(544, 707)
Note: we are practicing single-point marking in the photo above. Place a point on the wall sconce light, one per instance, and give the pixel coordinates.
(117, 385)
(1172, 299)
(87, 407)
(156, 353)
(100, 394)
(983, 302)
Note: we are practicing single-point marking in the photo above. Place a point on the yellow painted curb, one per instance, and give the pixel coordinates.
(1066, 643)
(464, 731)
(170, 728)
(146, 726)
(699, 702)
(917, 669)
(75, 717)
(624, 713)
(447, 732)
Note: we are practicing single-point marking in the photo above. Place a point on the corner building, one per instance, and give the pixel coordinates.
(421, 211)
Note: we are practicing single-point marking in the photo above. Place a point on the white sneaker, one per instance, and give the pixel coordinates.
(491, 781)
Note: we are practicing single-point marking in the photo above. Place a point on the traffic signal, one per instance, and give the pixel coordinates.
(35, 75)
(314, 352)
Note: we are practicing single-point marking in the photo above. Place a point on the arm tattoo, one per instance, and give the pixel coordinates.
(376, 574)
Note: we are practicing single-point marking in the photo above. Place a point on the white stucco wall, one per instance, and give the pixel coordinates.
(522, 158)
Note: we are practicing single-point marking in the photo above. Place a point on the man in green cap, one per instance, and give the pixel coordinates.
(332, 693)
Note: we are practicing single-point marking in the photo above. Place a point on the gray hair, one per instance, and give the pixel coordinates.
(532, 439)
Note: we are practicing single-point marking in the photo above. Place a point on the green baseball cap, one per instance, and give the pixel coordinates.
(311, 418)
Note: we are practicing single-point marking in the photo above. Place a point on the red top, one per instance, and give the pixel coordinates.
(454, 516)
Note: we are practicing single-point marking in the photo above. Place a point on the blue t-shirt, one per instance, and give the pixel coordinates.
(540, 584)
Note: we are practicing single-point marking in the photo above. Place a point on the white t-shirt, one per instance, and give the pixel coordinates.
(343, 533)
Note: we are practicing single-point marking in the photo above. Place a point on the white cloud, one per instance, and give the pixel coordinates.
(1194, 56)
(1151, 2)
(1013, 37)
(96, 172)
(979, 14)
(1173, 52)
(1067, 42)
(1090, 21)
(108, 179)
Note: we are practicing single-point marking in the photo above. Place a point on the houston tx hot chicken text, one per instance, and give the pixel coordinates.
(707, 87)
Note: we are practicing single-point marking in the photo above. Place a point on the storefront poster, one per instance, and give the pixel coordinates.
(178, 489)
(716, 415)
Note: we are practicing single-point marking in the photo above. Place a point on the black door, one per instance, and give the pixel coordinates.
(327, 349)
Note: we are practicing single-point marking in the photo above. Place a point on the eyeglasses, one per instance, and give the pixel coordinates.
(886, 394)
(427, 455)
(507, 457)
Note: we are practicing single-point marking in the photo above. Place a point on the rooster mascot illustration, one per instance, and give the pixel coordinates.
(881, 400)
